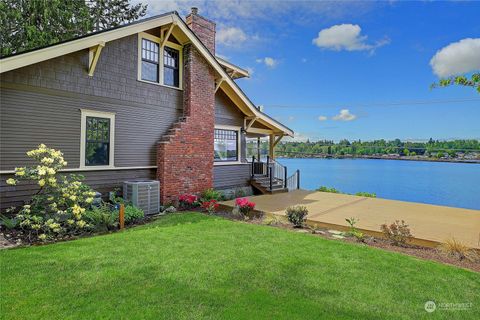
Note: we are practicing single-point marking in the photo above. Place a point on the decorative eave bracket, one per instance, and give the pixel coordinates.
(250, 123)
(169, 32)
(217, 86)
(95, 54)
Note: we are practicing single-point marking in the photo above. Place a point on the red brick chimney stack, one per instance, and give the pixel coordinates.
(203, 28)
(185, 154)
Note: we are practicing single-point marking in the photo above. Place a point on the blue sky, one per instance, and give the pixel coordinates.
(372, 60)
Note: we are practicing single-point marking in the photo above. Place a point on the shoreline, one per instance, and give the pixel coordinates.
(387, 158)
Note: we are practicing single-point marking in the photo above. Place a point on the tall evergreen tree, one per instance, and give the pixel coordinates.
(30, 24)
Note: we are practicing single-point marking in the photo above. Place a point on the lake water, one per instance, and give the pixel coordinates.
(440, 183)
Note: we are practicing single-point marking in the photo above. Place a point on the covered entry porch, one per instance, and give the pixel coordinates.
(268, 176)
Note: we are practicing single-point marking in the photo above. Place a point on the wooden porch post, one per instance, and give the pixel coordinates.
(271, 146)
(258, 148)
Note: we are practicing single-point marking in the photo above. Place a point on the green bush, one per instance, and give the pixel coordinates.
(211, 194)
(366, 194)
(398, 233)
(354, 232)
(297, 215)
(102, 218)
(8, 223)
(327, 189)
(133, 214)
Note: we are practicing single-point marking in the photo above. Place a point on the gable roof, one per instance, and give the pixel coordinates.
(227, 84)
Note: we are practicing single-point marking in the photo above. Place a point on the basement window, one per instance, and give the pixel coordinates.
(226, 145)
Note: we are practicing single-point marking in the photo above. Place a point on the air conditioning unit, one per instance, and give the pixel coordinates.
(144, 194)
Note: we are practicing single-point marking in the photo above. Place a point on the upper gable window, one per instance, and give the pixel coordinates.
(150, 68)
(159, 64)
(171, 74)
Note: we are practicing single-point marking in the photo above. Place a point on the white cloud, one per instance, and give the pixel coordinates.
(345, 37)
(268, 61)
(300, 12)
(231, 36)
(322, 118)
(344, 115)
(457, 58)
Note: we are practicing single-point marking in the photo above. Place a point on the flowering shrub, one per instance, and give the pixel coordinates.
(211, 206)
(57, 208)
(188, 201)
(244, 206)
(297, 215)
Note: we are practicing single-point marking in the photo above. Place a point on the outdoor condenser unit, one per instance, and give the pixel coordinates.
(144, 194)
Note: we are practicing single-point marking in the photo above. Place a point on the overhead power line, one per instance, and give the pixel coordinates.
(379, 104)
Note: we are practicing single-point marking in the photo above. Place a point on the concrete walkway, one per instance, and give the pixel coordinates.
(429, 224)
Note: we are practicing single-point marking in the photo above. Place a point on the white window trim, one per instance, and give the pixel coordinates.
(144, 35)
(239, 144)
(83, 128)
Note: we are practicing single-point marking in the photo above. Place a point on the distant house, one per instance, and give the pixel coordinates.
(147, 100)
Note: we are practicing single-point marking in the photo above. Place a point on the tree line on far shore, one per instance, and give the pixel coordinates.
(431, 148)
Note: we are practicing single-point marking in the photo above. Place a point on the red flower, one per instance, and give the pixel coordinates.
(188, 198)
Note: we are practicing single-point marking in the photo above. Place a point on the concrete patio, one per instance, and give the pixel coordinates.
(429, 224)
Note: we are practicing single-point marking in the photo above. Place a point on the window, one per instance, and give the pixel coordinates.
(97, 137)
(170, 67)
(150, 66)
(97, 145)
(226, 145)
(158, 62)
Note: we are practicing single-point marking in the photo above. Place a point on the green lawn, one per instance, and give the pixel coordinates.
(190, 266)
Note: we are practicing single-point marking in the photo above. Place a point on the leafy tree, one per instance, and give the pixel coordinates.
(30, 24)
(473, 81)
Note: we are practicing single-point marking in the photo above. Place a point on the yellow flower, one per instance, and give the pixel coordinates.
(35, 226)
(70, 221)
(73, 197)
(51, 171)
(41, 182)
(42, 237)
(41, 171)
(11, 181)
(64, 163)
(81, 223)
(77, 209)
(52, 181)
(89, 200)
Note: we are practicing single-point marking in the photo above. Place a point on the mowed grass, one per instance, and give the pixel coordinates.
(190, 266)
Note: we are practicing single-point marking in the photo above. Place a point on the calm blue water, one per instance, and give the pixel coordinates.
(440, 183)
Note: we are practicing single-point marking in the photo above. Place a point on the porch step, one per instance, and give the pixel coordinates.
(262, 184)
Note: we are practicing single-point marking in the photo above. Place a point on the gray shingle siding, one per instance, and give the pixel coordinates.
(41, 104)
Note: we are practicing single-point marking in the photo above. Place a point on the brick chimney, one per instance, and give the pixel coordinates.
(185, 153)
(203, 28)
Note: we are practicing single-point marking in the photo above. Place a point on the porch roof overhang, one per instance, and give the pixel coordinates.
(179, 30)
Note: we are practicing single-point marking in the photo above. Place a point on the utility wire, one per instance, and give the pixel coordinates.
(380, 104)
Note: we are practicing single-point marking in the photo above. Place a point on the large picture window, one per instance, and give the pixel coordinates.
(226, 145)
(97, 139)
